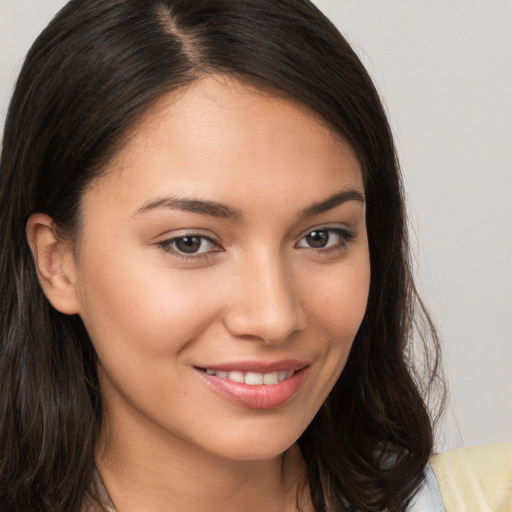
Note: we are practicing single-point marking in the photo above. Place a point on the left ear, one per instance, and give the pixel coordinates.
(55, 264)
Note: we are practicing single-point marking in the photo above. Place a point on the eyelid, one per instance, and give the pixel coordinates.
(346, 234)
(167, 245)
(327, 227)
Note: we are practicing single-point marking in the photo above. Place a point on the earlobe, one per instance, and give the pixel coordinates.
(54, 263)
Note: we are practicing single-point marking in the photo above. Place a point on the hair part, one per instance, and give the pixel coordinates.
(88, 78)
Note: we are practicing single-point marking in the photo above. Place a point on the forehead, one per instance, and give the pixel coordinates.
(223, 137)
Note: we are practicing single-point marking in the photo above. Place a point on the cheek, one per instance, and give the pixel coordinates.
(340, 302)
(337, 304)
(140, 309)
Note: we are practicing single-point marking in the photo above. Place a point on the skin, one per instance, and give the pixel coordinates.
(256, 291)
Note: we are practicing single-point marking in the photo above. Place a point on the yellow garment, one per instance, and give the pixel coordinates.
(476, 479)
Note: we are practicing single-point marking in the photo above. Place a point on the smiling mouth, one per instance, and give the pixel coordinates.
(256, 385)
(251, 378)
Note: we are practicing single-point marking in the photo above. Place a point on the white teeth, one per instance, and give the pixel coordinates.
(271, 378)
(282, 376)
(253, 378)
(236, 376)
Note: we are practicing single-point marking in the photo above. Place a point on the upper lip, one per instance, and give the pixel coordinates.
(257, 366)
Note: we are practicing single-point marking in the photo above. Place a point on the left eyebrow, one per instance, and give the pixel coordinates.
(201, 207)
(331, 202)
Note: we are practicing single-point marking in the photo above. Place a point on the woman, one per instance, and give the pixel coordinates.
(207, 300)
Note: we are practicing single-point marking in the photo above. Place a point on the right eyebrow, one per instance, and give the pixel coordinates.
(192, 205)
(348, 194)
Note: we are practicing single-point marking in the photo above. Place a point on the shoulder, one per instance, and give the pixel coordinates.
(478, 478)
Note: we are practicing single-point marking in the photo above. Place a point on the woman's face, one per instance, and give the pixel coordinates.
(223, 271)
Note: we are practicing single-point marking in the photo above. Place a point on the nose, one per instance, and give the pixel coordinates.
(265, 303)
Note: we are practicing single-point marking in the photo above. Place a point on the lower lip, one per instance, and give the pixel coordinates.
(260, 396)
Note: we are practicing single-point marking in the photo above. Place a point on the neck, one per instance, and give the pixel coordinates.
(152, 471)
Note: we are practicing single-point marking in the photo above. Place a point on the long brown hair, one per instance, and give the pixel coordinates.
(90, 75)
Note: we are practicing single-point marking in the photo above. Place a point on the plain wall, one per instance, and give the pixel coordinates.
(444, 70)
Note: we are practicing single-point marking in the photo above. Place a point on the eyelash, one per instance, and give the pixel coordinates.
(169, 246)
(344, 235)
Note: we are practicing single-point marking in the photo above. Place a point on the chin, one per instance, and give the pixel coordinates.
(247, 453)
(256, 443)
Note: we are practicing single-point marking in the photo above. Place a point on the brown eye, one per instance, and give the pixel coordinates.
(317, 239)
(325, 239)
(189, 245)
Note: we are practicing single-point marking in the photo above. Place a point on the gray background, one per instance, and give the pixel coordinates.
(444, 70)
